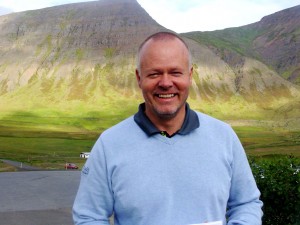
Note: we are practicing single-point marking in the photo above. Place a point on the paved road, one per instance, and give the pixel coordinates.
(37, 197)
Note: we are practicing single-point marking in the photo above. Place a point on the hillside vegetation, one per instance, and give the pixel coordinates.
(274, 40)
(71, 68)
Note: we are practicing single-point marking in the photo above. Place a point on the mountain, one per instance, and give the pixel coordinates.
(69, 45)
(274, 40)
(80, 58)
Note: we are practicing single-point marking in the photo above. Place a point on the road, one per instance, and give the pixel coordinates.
(37, 197)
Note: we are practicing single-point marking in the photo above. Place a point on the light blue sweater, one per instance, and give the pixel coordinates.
(199, 177)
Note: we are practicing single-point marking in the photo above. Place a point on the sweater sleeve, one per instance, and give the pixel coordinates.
(94, 200)
(244, 206)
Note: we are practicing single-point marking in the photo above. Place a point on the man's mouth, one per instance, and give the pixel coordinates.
(166, 95)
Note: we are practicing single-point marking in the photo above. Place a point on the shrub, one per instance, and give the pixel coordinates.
(278, 179)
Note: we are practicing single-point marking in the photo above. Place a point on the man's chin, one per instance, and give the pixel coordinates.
(166, 114)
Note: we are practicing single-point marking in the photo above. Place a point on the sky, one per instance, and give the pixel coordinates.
(183, 15)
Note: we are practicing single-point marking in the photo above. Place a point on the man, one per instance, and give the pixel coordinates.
(167, 164)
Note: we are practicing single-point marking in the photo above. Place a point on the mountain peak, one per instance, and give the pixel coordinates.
(283, 16)
(98, 24)
(85, 52)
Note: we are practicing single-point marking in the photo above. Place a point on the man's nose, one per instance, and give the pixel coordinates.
(165, 81)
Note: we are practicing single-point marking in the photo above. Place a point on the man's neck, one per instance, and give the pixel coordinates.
(170, 125)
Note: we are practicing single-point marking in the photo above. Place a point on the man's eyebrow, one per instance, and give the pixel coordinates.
(176, 69)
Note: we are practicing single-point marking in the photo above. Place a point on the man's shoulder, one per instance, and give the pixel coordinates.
(124, 133)
(217, 128)
(122, 126)
(122, 130)
(210, 121)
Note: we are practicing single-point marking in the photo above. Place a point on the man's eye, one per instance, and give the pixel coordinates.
(153, 75)
(176, 73)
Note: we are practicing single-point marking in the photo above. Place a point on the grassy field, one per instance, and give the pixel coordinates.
(51, 141)
(263, 141)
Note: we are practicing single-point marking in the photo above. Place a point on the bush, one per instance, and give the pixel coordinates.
(278, 179)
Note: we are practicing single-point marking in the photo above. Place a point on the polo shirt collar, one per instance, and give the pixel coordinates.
(191, 121)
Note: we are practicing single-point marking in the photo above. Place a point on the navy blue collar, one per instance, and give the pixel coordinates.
(191, 121)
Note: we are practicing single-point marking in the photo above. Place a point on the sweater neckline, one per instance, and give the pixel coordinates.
(190, 123)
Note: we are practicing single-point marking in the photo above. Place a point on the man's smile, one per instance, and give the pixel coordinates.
(165, 95)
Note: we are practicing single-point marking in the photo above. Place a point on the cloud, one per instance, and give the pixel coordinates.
(206, 15)
(21, 5)
(17, 5)
(4, 10)
(185, 15)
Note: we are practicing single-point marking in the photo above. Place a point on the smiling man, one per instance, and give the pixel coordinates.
(167, 164)
(164, 80)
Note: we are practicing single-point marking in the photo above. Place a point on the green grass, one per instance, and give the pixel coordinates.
(6, 168)
(50, 137)
(46, 148)
(264, 141)
(45, 152)
(51, 141)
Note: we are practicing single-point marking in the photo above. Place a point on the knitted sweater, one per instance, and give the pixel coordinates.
(202, 176)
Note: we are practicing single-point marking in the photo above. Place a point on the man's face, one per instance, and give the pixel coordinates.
(164, 77)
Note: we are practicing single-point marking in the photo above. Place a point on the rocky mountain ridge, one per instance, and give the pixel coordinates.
(279, 46)
(84, 53)
(274, 40)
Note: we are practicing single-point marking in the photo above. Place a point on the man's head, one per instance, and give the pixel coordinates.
(161, 36)
(164, 74)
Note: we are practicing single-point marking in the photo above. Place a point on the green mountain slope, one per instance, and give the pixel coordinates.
(275, 40)
(78, 60)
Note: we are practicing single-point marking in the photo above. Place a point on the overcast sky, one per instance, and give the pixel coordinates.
(183, 15)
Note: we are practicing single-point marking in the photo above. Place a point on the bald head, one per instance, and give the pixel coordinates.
(162, 37)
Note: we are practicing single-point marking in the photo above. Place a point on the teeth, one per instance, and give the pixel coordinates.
(166, 96)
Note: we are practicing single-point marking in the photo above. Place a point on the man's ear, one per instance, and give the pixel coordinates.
(191, 73)
(138, 77)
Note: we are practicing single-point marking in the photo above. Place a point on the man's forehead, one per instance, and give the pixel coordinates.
(163, 44)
